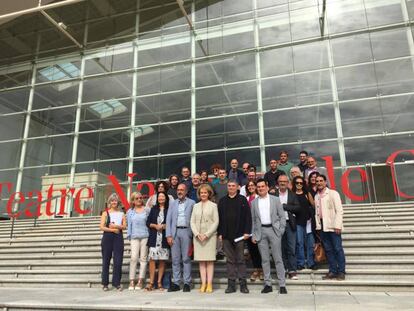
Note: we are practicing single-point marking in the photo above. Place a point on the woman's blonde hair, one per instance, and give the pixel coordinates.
(113, 196)
(132, 197)
(206, 187)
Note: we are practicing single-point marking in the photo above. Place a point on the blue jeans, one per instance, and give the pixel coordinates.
(334, 251)
(289, 249)
(304, 241)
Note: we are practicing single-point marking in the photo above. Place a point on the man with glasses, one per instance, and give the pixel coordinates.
(291, 206)
(179, 237)
(329, 219)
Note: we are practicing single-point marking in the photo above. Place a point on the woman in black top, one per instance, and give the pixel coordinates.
(304, 235)
(157, 242)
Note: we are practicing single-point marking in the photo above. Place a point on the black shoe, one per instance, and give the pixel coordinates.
(267, 289)
(174, 288)
(186, 288)
(314, 267)
(243, 286)
(340, 276)
(300, 268)
(231, 287)
(282, 290)
(219, 256)
(329, 276)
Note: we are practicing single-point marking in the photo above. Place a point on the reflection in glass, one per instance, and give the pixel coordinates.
(227, 132)
(226, 99)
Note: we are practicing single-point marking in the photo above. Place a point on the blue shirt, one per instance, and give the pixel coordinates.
(181, 215)
(137, 224)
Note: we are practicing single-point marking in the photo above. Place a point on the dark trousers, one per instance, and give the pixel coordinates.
(289, 249)
(112, 243)
(236, 266)
(332, 243)
(254, 254)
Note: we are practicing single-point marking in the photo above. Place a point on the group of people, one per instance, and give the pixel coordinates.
(279, 215)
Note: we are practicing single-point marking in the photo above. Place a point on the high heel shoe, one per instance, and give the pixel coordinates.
(209, 288)
(202, 288)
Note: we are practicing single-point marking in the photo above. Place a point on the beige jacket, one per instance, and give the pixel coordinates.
(332, 211)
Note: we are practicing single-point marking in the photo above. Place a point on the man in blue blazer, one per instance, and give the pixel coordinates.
(179, 237)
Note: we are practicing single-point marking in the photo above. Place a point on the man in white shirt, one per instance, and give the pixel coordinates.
(269, 222)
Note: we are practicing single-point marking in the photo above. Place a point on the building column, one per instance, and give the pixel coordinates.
(193, 94)
(259, 91)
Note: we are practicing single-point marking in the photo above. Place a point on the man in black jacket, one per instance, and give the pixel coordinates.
(272, 176)
(291, 206)
(235, 221)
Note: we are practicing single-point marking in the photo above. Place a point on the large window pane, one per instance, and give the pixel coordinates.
(160, 167)
(162, 139)
(105, 114)
(380, 148)
(356, 82)
(351, 50)
(376, 116)
(276, 62)
(50, 150)
(11, 126)
(299, 125)
(206, 160)
(305, 23)
(274, 29)
(56, 94)
(226, 99)
(103, 145)
(9, 157)
(53, 121)
(60, 70)
(383, 12)
(227, 132)
(107, 87)
(163, 108)
(112, 59)
(117, 168)
(14, 100)
(15, 76)
(164, 79)
(395, 76)
(391, 43)
(310, 56)
(229, 69)
(317, 150)
(346, 16)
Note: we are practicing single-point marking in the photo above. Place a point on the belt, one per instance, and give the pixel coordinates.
(267, 226)
(181, 227)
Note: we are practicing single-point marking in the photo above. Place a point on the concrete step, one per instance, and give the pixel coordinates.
(221, 283)
(78, 264)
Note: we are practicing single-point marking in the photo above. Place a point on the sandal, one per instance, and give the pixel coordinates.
(160, 286)
(149, 287)
(254, 276)
(131, 285)
(139, 284)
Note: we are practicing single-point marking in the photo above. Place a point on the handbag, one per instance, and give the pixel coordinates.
(320, 256)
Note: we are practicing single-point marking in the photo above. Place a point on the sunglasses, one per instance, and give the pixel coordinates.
(137, 198)
(299, 183)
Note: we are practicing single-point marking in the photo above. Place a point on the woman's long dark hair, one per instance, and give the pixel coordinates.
(304, 187)
(164, 183)
(167, 200)
(310, 176)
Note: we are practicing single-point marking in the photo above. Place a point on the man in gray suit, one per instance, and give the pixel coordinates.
(179, 237)
(269, 224)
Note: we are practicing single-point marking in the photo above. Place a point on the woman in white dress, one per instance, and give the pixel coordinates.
(157, 242)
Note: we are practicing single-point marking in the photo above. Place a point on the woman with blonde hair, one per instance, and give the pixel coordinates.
(138, 235)
(112, 223)
(204, 223)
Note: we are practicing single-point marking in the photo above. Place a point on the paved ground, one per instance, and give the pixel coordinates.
(96, 299)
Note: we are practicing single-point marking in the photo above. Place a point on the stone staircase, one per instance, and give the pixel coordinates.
(378, 242)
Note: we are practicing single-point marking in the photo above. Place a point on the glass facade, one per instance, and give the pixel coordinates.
(147, 94)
